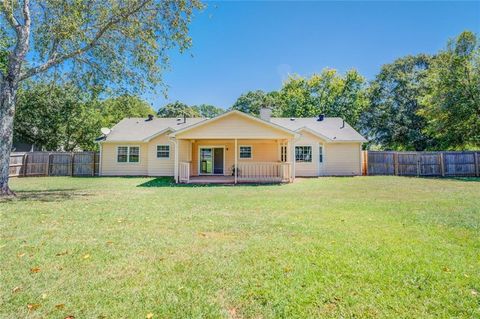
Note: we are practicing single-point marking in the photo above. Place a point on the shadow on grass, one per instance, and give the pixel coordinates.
(452, 178)
(444, 178)
(52, 195)
(464, 179)
(169, 182)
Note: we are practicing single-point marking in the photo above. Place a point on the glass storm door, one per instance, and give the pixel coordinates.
(211, 160)
(206, 161)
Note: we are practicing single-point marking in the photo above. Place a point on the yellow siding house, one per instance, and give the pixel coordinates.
(233, 147)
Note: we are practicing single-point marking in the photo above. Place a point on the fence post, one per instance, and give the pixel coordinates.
(477, 169)
(395, 163)
(418, 164)
(24, 164)
(93, 164)
(72, 158)
(442, 165)
(47, 165)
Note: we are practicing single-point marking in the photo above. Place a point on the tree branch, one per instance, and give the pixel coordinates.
(8, 12)
(26, 13)
(54, 59)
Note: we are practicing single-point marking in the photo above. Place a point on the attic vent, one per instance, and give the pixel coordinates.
(343, 124)
(292, 119)
(149, 118)
(321, 117)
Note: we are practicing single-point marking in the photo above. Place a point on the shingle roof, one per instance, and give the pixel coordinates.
(330, 127)
(138, 129)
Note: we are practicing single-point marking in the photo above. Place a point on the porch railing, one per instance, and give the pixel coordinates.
(264, 172)
(184, 172)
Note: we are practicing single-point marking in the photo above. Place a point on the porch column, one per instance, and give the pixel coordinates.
(236, 163)
(176, 161)
(292, 156)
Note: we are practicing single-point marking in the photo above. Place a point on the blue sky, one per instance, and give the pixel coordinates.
(242, 46)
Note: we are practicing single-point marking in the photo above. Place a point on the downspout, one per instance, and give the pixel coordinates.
(101, 160)
(176, 161)
(175, 168)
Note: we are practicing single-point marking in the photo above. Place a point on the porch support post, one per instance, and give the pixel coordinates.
(236, 163)
(176, 161)
(292, 156)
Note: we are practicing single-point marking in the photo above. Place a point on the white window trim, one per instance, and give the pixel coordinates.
(323, 153)
(224, 159)
(128, 154)
(245, 158)
(169, 152)
(304, 162)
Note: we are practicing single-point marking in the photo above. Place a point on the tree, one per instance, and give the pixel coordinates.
(118, 42)
(206, 110)
(452, 105)
(252, 101)
(326, 93)
(56, 117)
(4, 45)
(177, 109)
(115, 109)
(391, 119)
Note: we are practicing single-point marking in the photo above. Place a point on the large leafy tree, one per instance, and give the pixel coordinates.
(177, 109)
(56, 117)
(329, 93)
(114, 109)
(252, 101)
(121, 42)
(391, 120)
(452, 105)
(207, 110)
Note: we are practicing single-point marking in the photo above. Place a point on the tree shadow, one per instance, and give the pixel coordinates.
(51, 195)
(464, 179)
(170, 182)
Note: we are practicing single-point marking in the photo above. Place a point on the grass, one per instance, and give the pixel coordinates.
(363, 247)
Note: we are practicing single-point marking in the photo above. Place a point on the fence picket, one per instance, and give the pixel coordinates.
(54, 164)
(448, 163)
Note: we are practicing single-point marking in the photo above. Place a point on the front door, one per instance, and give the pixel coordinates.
(211, 160)
(218, 161)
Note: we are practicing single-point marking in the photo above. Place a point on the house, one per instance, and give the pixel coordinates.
(232, 147)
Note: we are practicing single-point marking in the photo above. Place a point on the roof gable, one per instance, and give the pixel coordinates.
(234, 124)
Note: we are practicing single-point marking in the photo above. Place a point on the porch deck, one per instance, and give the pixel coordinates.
(219, 179)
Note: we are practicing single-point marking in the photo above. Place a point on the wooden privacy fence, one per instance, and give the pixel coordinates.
(421, 163)
(54, 164)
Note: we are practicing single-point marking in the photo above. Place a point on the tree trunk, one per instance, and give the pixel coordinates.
(7, 112)
(8, 91)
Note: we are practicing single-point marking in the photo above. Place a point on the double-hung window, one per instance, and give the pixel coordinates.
(163, 151)
(128, 154)
(283, 153)
(303, 153)
(245, 152)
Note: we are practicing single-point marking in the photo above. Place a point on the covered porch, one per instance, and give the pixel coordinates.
(231, 161)
(234, 145)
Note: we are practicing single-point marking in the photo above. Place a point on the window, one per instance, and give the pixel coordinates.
(128, 154)
(320, 154)
(245, 152)
(283, 153)
(122, 154)
(134, 154)
(163, 151)
(303, 153)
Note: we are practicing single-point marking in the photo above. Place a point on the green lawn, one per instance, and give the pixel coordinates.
(363, 247)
